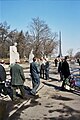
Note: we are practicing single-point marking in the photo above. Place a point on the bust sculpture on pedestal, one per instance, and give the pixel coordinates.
(14, 55)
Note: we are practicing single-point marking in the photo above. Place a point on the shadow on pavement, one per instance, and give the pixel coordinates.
(33, 102)
(51, 85)
(6, 107)
(59, 97)
(54, 79)
(67, 113)
(59, 88)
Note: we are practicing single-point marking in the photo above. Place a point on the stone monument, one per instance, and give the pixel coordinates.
(60, 52)
(31, 55)
(14, 55)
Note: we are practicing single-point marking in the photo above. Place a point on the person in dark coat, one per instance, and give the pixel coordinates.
(56, 61)
(17, 79)
(78, 61)
(2, 79)
(65, 72)
(46, 69)
(60, 69)
(42, 68)
(35, 76)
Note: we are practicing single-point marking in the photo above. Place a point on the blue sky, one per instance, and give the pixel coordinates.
(60, 15)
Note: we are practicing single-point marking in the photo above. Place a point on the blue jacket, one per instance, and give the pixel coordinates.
(34, 70)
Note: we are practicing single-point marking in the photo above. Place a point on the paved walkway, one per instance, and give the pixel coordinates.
(51, 104)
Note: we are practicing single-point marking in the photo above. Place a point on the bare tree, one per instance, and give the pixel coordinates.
(28, 43)
(6, 39)
(21, 44)
(77, 55)
(4, 35)
(44, 40)
(70, 52)
(40, 38)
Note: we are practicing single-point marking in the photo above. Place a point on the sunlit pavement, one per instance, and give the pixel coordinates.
(51, 104)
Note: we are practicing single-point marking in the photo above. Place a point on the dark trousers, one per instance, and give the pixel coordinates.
(35, 85)
(42, 73)
(64, 82)
(61, 76)
(46, 74)
(3, 89)
(21, 87)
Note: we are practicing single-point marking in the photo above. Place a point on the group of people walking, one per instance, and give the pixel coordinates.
(18, 78)
(39, 68)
